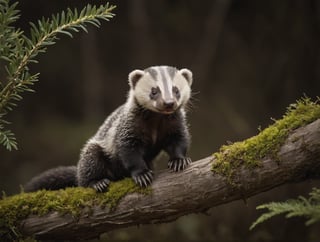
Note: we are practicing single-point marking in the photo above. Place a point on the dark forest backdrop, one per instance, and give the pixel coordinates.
(250, 60)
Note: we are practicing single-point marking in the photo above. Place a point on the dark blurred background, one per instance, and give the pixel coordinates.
(250, 60)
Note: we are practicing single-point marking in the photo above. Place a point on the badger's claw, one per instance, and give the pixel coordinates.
(102, 185)
(143, 179)
(179, 164)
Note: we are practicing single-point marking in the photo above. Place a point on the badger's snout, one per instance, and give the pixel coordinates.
(167, 106)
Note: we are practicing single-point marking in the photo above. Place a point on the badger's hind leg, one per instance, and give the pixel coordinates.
(94, 168)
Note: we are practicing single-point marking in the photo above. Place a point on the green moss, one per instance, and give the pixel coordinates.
(70, 200)
(119, 189)
(267, 143)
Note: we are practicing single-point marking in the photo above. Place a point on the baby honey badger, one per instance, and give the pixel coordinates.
(152, 119)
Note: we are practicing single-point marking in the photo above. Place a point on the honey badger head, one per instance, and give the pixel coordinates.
(162, 89)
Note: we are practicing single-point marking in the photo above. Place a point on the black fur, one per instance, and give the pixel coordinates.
(135, 149)
(53, 179)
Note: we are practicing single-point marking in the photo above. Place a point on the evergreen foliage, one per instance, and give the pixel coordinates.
(18, 51)
(301, 207)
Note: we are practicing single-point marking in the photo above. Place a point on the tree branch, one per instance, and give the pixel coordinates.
(194, 190)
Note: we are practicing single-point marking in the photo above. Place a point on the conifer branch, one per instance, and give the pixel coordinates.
(18, 50)
(301, 207)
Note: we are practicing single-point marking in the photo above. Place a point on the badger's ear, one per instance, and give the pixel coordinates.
(134, 77)
(187, 74)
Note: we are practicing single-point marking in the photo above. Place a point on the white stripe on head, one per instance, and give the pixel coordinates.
(165, 82)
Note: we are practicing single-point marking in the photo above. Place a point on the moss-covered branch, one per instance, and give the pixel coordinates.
(268, 142)
(80, 213)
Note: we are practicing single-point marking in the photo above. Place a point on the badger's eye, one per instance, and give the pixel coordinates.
(176, 92)
(154, 92)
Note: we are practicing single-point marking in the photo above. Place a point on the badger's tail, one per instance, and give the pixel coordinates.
(53, 179)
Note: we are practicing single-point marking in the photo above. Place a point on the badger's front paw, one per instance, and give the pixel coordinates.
(144, 178)
(101, 186)
(179, 164)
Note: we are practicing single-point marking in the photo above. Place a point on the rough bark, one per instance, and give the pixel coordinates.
(194, 190)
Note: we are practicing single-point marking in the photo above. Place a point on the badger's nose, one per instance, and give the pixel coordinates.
(168, 104)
